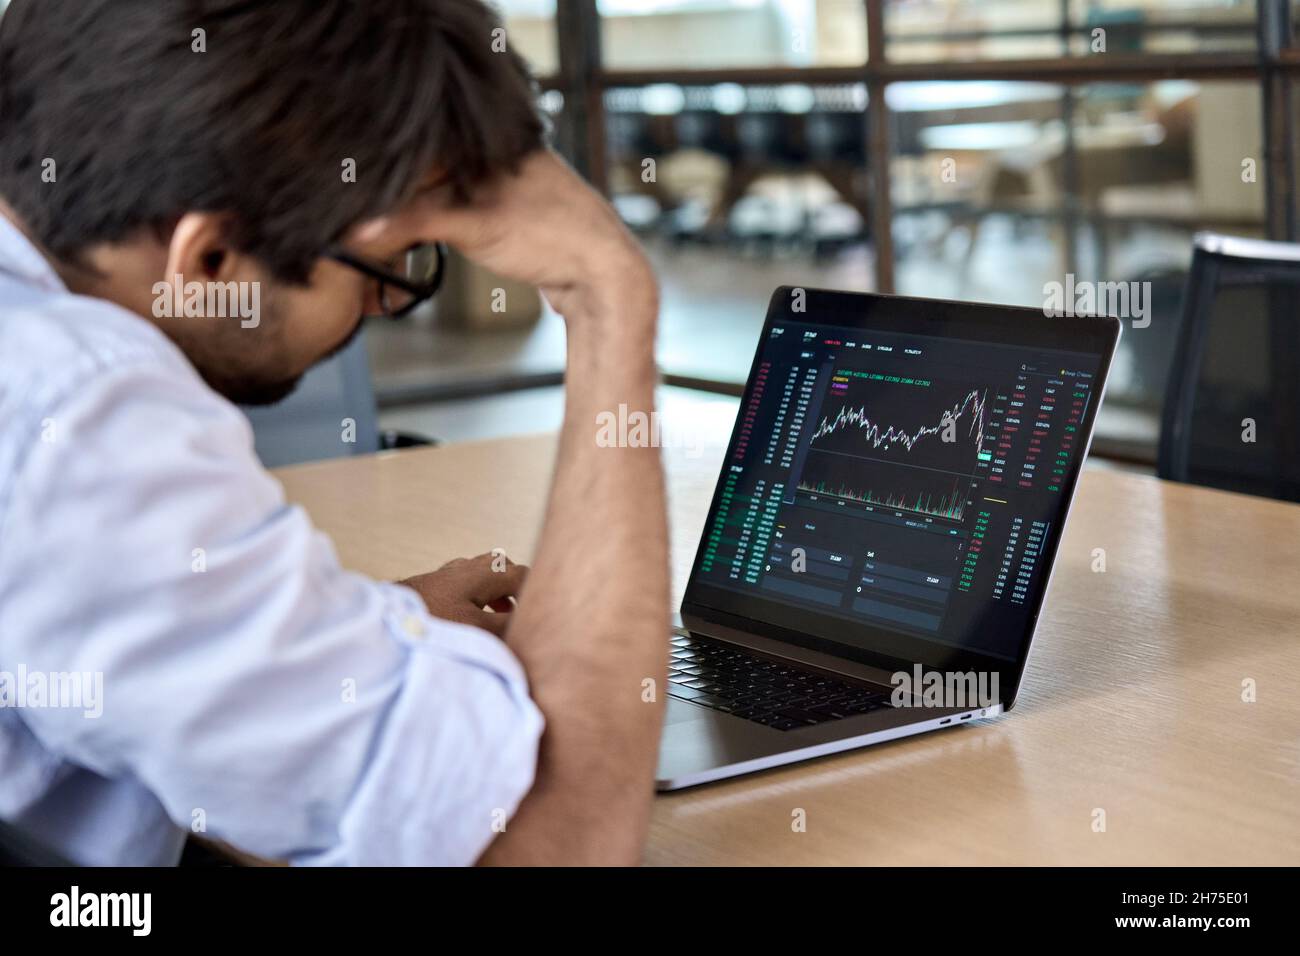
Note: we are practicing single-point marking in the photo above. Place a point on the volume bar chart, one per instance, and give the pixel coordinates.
(928, 493)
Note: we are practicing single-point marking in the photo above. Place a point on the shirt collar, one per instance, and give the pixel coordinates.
(19, 258)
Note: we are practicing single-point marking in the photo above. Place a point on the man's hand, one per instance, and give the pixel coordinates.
(543, 226)
(476, 591)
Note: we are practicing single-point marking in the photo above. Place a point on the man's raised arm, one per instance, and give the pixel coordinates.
(592, 624)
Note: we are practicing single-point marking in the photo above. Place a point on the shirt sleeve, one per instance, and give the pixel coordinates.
(290, 707)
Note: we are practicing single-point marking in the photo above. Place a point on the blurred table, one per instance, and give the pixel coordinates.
(1132, 704)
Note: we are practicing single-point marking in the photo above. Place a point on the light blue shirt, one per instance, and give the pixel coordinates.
(250, 689)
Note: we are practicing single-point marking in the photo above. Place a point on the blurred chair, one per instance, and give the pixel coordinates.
(709, 130)
(765, 142)
(770, 139)
(1236, 371)
(632, 137)
(837, 145)
(332, 414)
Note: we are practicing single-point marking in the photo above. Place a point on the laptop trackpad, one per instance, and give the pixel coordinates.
(680, 712)
(697, 740)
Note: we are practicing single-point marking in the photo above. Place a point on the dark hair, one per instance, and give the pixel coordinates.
(142, 128)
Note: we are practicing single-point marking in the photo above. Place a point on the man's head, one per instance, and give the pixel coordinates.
(236, 141)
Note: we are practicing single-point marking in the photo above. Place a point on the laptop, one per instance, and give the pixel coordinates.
(882, 535)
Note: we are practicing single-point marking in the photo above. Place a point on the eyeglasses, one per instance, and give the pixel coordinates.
(416, 280)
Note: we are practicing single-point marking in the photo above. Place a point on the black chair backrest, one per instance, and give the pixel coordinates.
(709, 130)
(838, 137)
(772, 137)
(1232, 409)
(637, 136)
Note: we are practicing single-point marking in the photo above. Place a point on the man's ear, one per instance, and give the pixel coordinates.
(200, 251)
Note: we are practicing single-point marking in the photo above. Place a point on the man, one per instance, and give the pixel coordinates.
(252, 689)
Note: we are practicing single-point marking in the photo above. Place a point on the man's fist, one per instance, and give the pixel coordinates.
(478, 591)
(543, 226)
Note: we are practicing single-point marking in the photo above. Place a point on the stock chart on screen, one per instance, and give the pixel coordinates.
(899, 480)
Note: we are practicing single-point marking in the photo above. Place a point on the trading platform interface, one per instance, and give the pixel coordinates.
(903, 481)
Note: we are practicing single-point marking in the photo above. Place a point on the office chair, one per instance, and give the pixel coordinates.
(310, 424)
(837, 146)
(1236, 371)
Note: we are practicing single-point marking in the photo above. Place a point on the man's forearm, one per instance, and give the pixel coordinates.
(593, 621)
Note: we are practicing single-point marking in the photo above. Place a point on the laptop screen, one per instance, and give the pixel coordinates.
(899, 472)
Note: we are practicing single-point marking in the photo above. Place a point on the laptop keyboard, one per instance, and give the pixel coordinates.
(777, 694)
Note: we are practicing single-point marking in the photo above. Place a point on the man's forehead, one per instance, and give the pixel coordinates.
(398, 225)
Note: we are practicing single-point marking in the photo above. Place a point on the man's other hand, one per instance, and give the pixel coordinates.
(478, 591)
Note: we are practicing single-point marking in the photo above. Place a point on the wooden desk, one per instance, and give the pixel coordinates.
(1132, 703)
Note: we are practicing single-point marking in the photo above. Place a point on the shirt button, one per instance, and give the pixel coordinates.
(413, 625)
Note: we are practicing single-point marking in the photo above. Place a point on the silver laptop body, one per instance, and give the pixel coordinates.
(884, 527)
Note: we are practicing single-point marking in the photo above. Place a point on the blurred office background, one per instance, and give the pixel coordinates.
(970, 149)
